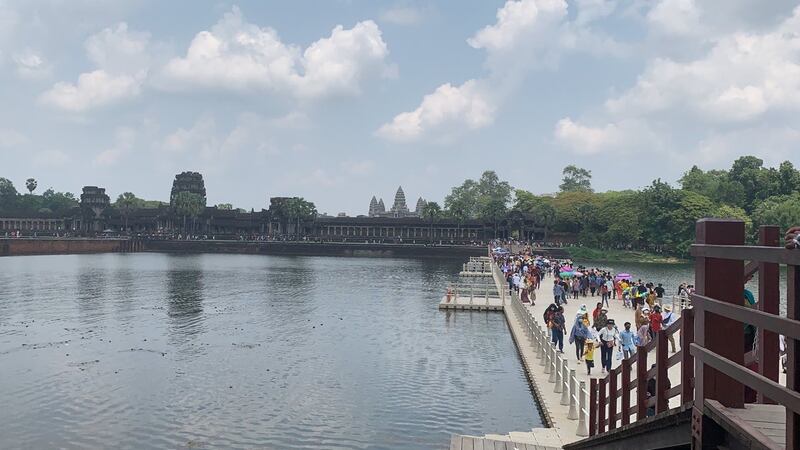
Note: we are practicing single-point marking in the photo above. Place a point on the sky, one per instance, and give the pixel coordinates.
(337, 101)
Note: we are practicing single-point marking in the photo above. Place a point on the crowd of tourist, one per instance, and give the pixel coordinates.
(524, 273)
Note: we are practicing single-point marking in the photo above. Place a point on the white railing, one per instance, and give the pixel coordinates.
(573, 391)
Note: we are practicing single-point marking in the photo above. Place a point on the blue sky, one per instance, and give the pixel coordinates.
(337, 101)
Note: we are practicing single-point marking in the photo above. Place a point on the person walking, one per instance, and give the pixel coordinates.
(626, 341)
(579, 334)
(667, 319)
(608, 340)
(558, 328)
(588, 356)
(558, 292)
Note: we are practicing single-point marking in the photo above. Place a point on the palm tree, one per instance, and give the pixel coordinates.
(31, 184)
(431, 211)
(126, 203)
(188, 204)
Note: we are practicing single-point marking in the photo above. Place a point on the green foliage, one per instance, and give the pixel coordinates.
(431, 211)
(486, 199)
(31, 184)
(225, 207)
(783, 210)
(576, 179)
(8, 194)
(188, 204)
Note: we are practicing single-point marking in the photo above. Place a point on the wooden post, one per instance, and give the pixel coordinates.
(662, 403)
(687, 362)
(593, 406)
(793, 354)
(601, 406)
(626, 392)
(612, 399)
(768, 297)
(720, 279)
(641, 383)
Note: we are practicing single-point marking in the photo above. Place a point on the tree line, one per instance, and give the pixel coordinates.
(659, 218)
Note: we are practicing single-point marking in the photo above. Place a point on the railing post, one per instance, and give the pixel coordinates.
(552, 363)
(662, 403)
(612, 400)
(768, 297)
(626, 391)
(547, 357)
(573, 395)
(601, 405)
(593, 408)
(559, 376)
(720, 279)
(564, 383)
(583, 429)
(542, 343)
(687, 361)
(793, 354)
(641, 383)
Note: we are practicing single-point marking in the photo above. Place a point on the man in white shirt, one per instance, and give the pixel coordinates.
(667, 319)
(608, 340)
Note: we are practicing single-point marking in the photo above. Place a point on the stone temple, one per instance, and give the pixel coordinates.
(399, 207)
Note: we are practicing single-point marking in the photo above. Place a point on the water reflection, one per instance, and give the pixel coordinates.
(184, 298)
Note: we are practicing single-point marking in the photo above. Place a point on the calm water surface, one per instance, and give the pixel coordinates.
(235, 351)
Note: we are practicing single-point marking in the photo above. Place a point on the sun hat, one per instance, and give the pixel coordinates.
(667, 308)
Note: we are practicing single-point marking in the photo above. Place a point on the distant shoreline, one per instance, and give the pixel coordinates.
(624, 256)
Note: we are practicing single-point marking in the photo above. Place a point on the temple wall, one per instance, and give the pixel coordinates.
(22, 246)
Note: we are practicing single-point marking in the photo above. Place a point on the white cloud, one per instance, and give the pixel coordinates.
(676, 17)
(622, 137)
(592, 10)
(93, 89)
(519, 21)
(526, 34)
(358, 168)
(405, 16)
(242, 56)
(202, 133)
(31, 64)
(124, 141)
(119, 50)
(122, 59)
(51, 158)
(448, 106)
(742, 77)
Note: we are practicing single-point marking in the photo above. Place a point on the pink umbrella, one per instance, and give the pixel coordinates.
(623, 276)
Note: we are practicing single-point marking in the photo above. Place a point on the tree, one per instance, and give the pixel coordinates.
(8, 194)
(188, 204)
(126, 203)
(31, 184)
(781, 210)
(431, 212)
(576, 179)
(225, 207)
(299, 209)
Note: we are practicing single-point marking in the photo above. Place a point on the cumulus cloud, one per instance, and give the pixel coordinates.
(447, 106)
(93, 90)
(121, 59)
(622, 137)
(526, 34)
(676, 17)
(740, 78)
(238, 55)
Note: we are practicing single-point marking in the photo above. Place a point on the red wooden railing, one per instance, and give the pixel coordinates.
(615, 389)
(721, 374)
(713, 364)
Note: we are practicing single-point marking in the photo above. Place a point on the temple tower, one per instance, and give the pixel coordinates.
(399, 209)
(188, 182)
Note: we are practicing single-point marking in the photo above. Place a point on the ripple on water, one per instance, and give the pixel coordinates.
(235, 351)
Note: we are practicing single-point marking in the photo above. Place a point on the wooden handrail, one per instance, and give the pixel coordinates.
(788, 398)
(775, 255)
(771, 322)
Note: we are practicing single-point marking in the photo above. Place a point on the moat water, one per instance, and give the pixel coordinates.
(236, 351)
